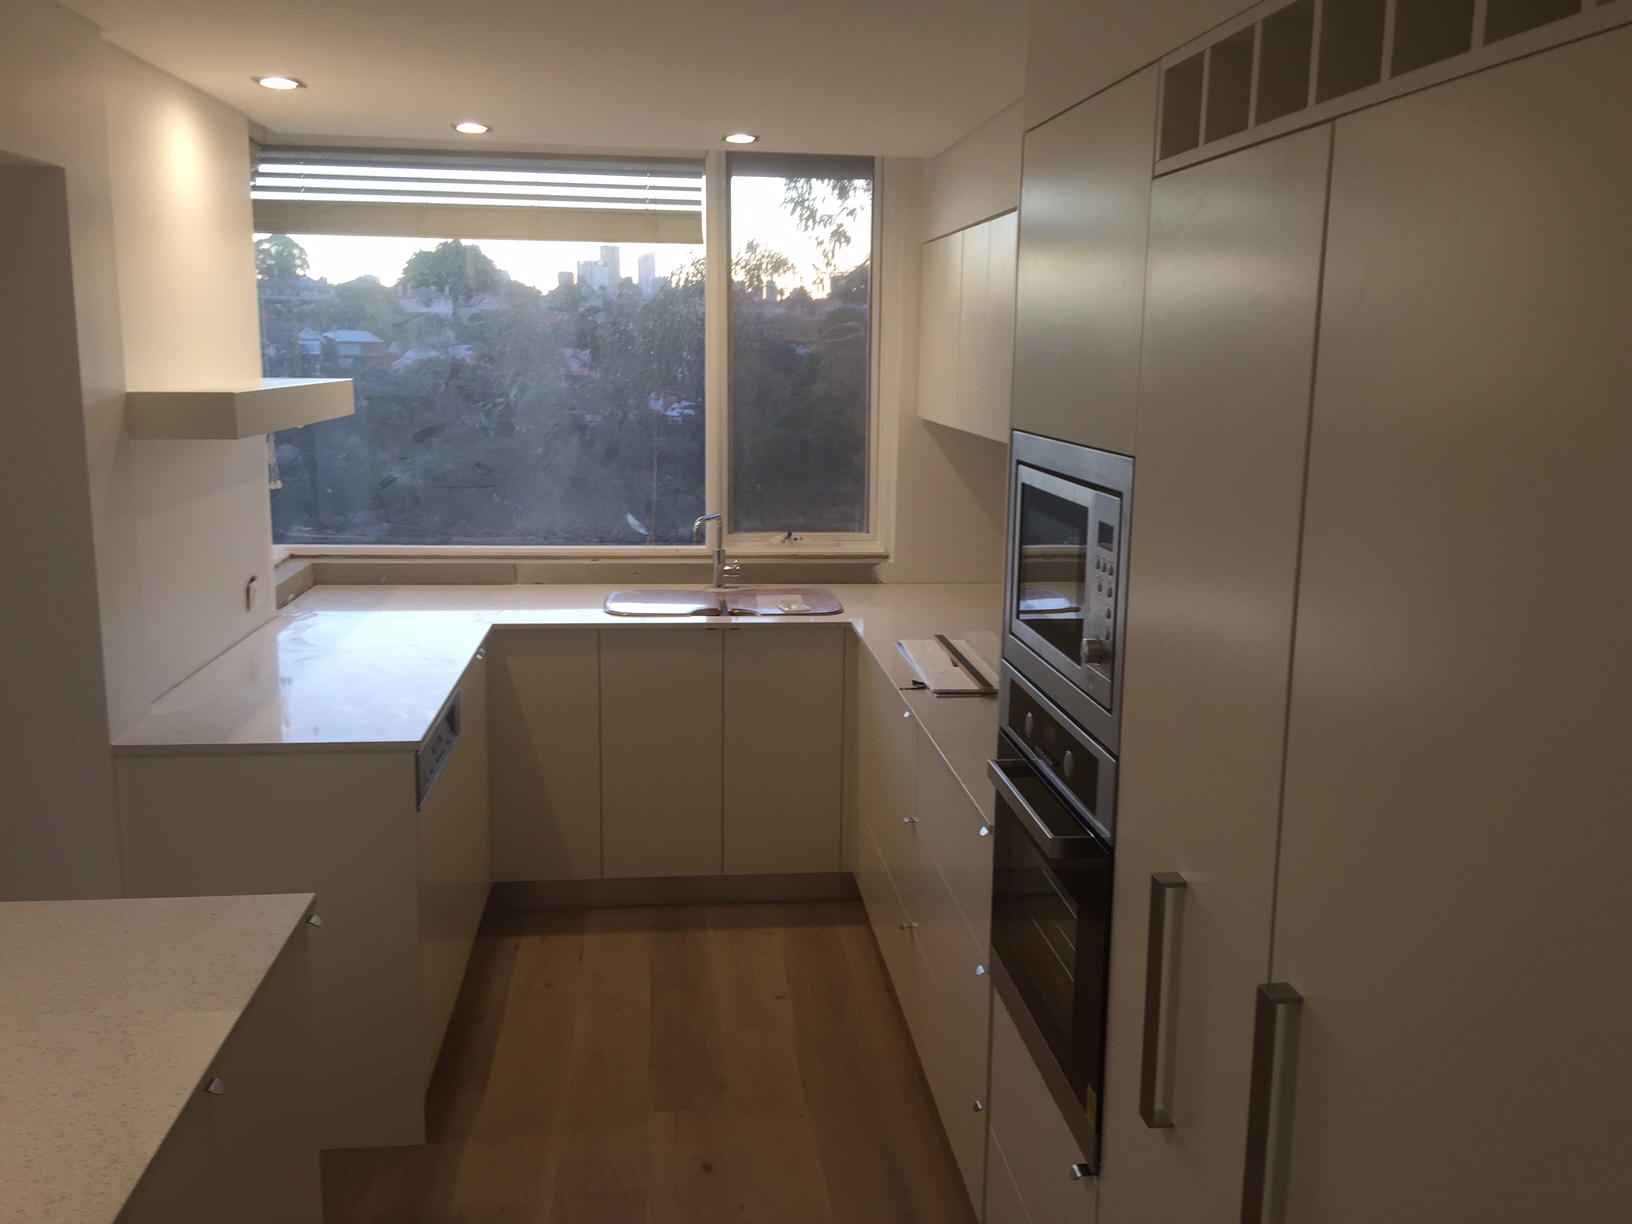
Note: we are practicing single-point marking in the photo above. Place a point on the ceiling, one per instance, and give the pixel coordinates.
(876, 77)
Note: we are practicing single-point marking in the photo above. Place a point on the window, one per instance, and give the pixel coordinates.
(801, 343)
(527, 340)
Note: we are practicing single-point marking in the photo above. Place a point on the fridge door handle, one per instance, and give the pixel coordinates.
(1269, 1102)
(1161, 999)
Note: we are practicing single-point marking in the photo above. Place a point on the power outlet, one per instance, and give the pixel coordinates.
(252, 594)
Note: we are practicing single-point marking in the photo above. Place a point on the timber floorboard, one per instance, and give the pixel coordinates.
(675, 1065)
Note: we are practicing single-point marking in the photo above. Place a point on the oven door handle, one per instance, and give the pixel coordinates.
(1051, 844)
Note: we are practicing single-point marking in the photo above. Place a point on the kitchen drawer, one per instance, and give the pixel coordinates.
(952, 1046)
(887, 740)
(1003, 1202)
(1038, 1145)
(950, 827)
(889, 920)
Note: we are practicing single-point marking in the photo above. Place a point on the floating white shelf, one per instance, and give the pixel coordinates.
(237, 410)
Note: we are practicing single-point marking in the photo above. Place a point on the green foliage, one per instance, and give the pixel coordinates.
(493, 440)
(828, 210)
(280, 257)
(462, 272)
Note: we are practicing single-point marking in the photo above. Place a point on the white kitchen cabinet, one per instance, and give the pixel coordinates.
(545, 703)
(661, 751)
(397, 889)
(1038, 1148)
(1079, 309)
(783, 693)
(263, 1119)
(940, 311)
(1231, 308)
(1454, 845)
(245, 1146)
(966, 328)
(986, 327)
(910, 803)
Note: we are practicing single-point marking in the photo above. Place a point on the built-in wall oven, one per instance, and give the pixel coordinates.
(1051, 896)
(1055, 772)
(1065, 594)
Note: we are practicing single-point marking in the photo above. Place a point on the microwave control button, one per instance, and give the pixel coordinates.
(1070, 764)
(1031, 723)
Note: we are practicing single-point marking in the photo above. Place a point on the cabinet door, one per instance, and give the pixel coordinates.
(1454, 856)
(784, 749)
(455, 864)
(1038, 1147)
(264, 1121)
(974, 326)
(661, 714)
(940, 298)
(988, 413)
(1223, 422)
(546, 753)
(1084, 218)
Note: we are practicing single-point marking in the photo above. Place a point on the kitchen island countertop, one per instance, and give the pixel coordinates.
(111, 1013)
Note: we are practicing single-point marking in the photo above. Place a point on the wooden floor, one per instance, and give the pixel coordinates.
(700, 1064)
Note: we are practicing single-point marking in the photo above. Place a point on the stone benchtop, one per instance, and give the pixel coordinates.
(368, 669)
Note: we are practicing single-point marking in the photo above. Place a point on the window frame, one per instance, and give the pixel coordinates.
(873, 545)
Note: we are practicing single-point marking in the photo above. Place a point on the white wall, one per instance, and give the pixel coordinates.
(977, 177)
(949, 488)
(163, 293)
(1075, 48)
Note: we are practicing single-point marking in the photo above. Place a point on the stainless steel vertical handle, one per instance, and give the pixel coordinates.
(1269, 1102)
(1155, 1074)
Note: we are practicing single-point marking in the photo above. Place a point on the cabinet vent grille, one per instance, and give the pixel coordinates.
(1282, 66)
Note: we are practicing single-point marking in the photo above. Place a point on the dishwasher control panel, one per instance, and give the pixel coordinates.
(433, 754)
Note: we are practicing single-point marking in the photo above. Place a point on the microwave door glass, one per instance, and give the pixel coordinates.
(1053, 569)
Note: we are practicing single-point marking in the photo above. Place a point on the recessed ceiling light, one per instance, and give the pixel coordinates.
(740, 138)
(470, 127)
(279, 82)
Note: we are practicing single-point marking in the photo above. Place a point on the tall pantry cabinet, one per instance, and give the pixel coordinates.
(1378, 699)
(1229, 343)
(1455, 845)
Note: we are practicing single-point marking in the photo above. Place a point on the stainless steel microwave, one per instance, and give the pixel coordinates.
(1065, 591)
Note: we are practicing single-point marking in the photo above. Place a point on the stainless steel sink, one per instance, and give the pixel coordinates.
(782, 601)
(749, 601)
(664, 603)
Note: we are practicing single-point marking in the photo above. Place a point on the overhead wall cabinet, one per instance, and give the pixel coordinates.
(241, 410)
(400, 890)
(1382, 990)
(966, 328)
(1079, 310)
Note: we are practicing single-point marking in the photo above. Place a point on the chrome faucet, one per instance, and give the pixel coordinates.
(723, 569)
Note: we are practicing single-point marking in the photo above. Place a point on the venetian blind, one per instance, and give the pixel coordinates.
(419, 195)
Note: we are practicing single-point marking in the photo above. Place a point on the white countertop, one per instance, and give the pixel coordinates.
(369, 668)
(111, 1013)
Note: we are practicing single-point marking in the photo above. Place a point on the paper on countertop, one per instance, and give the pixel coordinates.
(941, 674)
